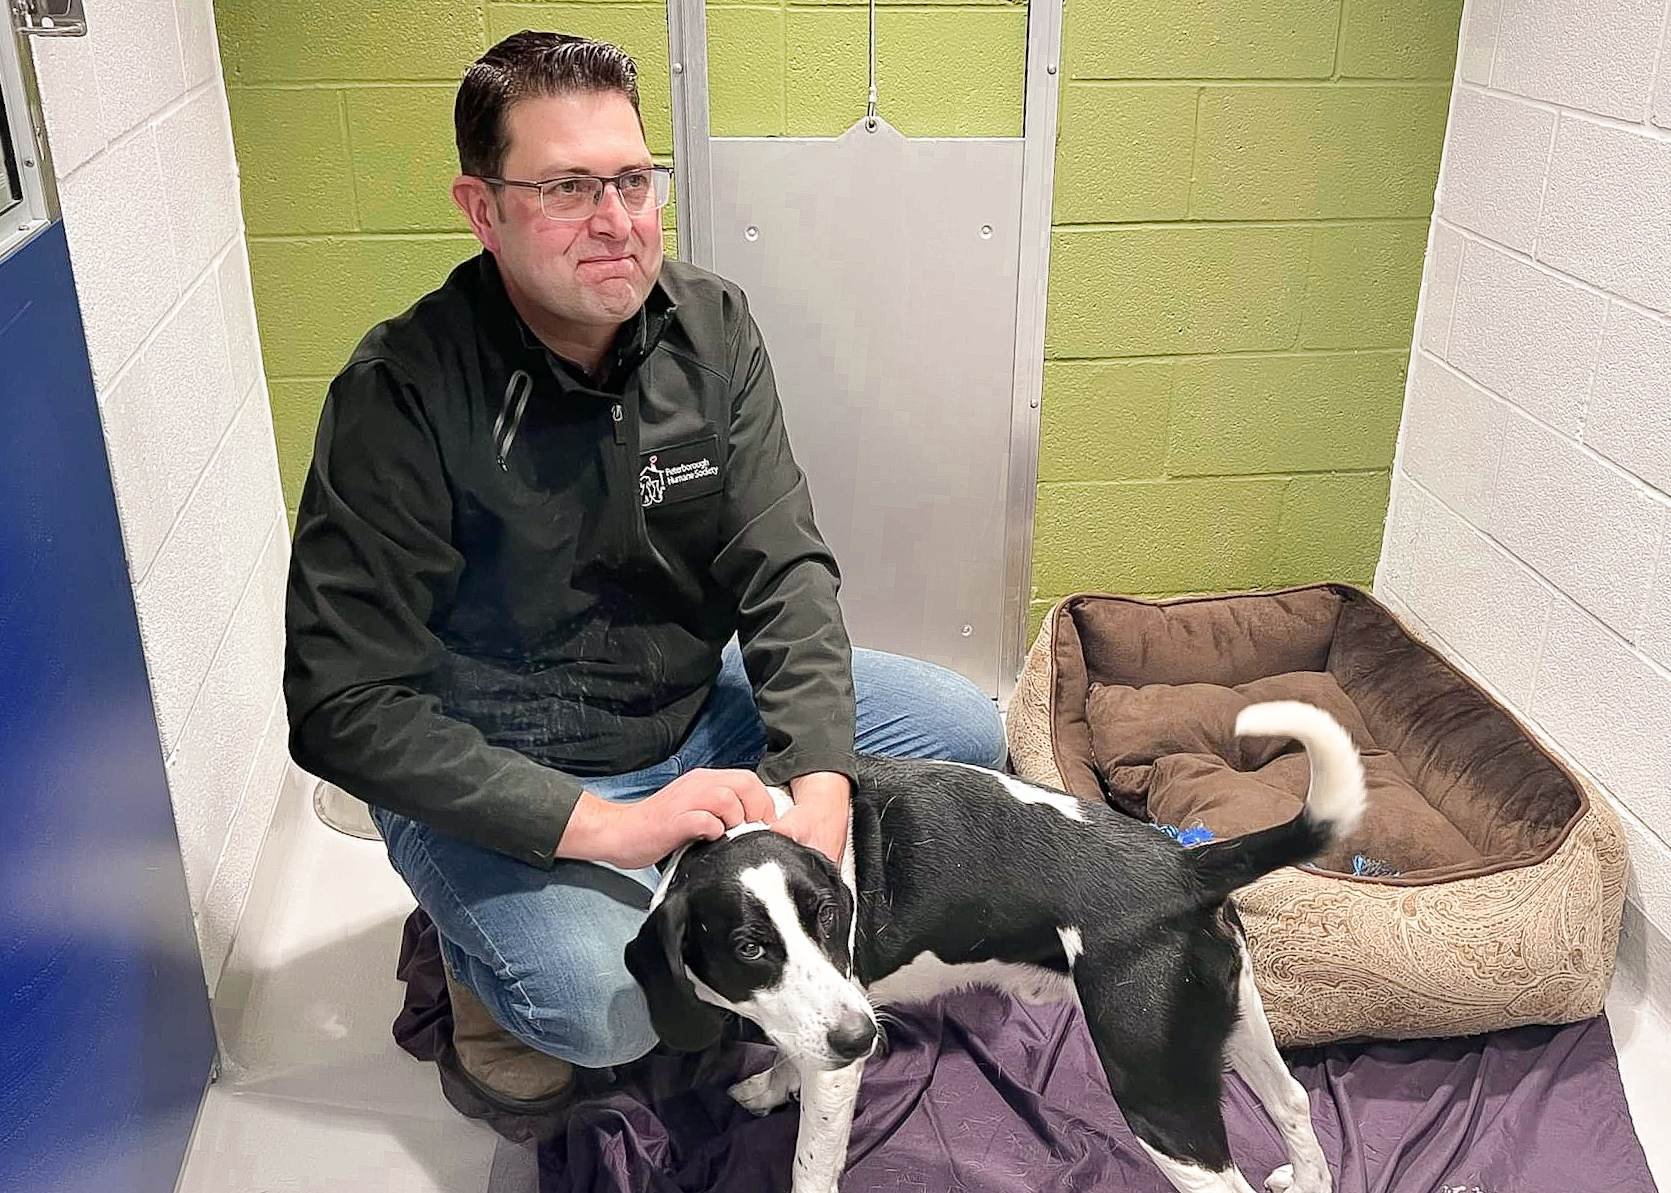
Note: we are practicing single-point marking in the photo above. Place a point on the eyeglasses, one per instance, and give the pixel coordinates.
(576, 196)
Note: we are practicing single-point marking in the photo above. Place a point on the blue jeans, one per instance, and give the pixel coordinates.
(543, 949)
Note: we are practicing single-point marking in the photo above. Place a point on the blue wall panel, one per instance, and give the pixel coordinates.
(105, 1036)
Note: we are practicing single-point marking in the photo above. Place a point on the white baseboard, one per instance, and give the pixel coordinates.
(290, 810)
(1644, 966)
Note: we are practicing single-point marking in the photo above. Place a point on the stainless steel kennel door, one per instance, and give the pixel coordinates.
(899, 283)
(882, 272)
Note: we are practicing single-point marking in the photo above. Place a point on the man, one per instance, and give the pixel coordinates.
(556, 592)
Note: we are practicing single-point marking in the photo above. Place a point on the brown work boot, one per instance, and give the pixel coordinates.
(490, 1074)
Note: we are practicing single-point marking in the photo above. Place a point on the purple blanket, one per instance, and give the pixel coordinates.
(980, 1094)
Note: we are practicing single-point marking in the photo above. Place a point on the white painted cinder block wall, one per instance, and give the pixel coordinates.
(1530, 525)
(142, 148)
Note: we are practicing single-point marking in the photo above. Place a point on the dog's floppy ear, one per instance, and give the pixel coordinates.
(655, 958)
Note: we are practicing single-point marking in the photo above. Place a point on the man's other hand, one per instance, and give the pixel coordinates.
(823, 802)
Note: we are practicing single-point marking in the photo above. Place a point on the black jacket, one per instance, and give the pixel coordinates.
(508, 576)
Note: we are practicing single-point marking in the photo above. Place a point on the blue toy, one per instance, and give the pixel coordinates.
(1369, 867)
(1362, 866)
(1186, 837)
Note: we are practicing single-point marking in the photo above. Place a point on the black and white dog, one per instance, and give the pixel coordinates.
(957, 876)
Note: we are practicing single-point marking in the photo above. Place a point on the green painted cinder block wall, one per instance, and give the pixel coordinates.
(1242, 199)
(1242, 193)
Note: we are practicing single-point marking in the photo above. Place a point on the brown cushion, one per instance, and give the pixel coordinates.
(1400, 829)
(1132, 727)
(1210, 640)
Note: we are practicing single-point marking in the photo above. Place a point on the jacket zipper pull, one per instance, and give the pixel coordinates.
(616, 413)
(510, 416)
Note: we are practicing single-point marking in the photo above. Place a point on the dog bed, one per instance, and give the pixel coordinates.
(1485, 886)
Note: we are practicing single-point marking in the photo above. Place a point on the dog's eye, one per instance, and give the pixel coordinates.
(827, 916)
(751, 950)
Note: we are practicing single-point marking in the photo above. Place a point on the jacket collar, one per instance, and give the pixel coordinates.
(634, 342)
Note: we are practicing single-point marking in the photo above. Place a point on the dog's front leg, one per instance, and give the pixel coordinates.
(827, 1101)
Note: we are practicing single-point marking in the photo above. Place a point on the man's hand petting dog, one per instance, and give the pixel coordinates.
(823, 804)
(699, 805)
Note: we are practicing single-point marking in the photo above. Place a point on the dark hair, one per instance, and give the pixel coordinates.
(524, 65)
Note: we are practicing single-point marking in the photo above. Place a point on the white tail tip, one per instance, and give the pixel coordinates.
(1337, 794)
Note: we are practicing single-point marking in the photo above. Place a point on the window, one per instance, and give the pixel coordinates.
(11, 182)
(27, 199)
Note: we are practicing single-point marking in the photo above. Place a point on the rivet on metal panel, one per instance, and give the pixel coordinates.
(986, 231)
(751, 233)
(967, 630)
(1051, 68)
(678, 68)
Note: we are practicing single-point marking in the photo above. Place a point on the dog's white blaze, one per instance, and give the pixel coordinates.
(813, 995)
(925, 976)
(1067, 805)
(849, 873)
(1073, 944)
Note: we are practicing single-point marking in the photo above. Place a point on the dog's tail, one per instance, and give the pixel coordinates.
(1332, 809)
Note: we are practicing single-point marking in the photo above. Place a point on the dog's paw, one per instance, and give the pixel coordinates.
(1284, 1180)
(758, 1095)
(765, 1092)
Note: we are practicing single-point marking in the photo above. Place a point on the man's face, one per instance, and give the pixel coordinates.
(595, 271)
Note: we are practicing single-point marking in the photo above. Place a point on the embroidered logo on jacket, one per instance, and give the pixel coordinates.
(672, 474)
(652, 484)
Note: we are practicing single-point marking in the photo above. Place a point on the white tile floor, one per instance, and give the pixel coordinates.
(316, 1097)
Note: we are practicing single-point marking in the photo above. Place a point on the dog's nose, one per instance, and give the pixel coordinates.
(852, 1037)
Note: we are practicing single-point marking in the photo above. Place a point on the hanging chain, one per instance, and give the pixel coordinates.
(870, 107)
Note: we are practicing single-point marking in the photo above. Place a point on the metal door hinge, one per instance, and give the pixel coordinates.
(50, 18)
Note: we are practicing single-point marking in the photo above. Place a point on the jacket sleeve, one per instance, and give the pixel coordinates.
(372, 563)
(785, 580)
